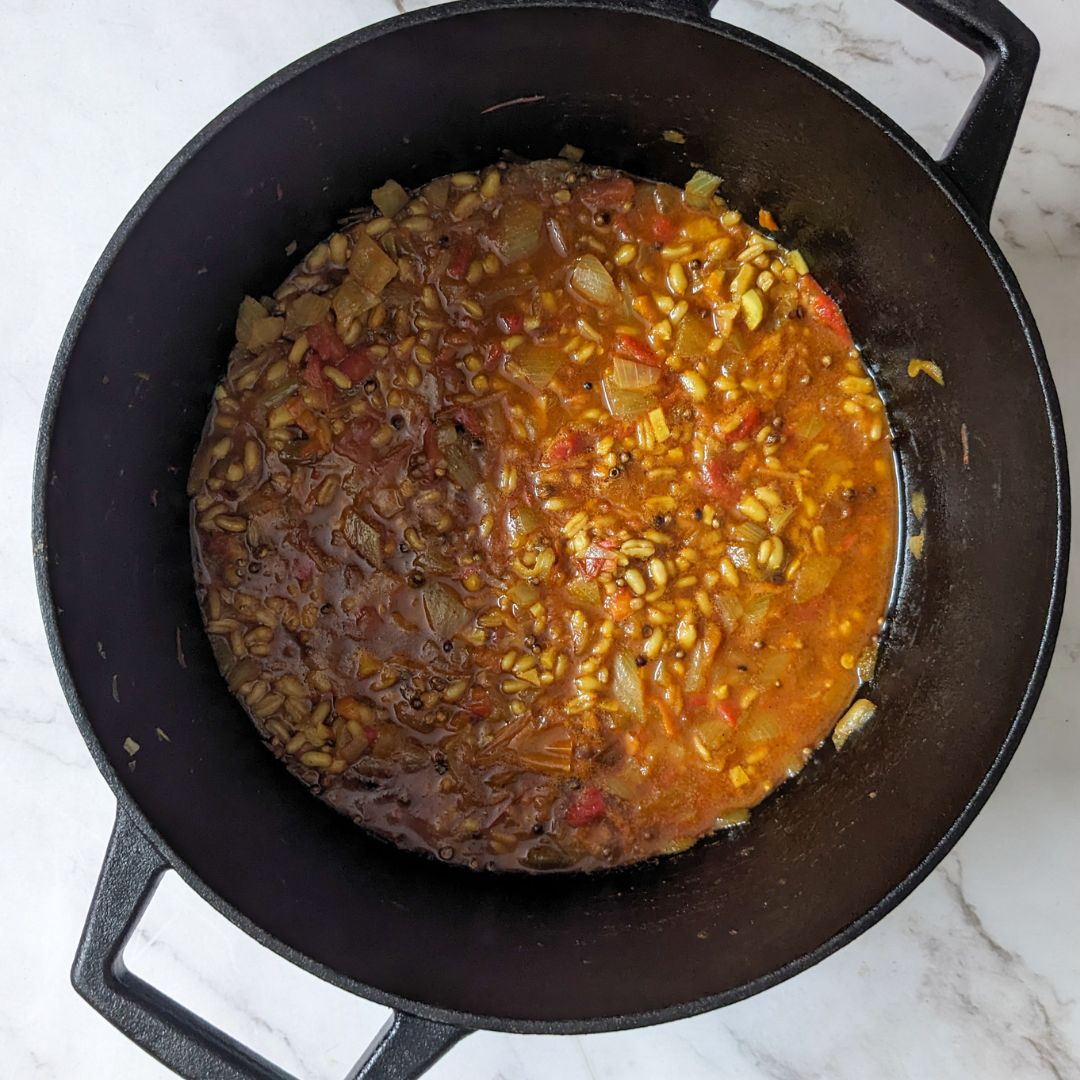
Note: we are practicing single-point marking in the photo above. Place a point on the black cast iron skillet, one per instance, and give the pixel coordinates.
(900, 239)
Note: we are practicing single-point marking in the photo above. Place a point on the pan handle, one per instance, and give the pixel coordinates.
(405, 1048)
(979, 148)
(976, 155)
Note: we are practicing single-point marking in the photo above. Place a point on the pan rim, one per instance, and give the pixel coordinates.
(679, 1010)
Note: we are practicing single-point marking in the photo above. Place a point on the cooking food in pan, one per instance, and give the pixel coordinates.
(545, 518)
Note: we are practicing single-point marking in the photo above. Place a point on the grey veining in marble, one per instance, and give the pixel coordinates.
(976, 975)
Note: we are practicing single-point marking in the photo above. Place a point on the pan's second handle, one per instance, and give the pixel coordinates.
(405, 1048)
(977, 153)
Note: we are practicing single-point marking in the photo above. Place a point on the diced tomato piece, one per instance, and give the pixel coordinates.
(607, 194)
(357, 364)
(637, 350)
(586, 808)
(511, 322)
(747, 427)
(661, 228)
(494, 355)
(478, 701)
(618, 604)
(324, 339)
(823, 308)
(718, 480)
(567, 444)
(620, 224)
(729, 711)
(355, 441)
(303, 568)
(597, 558)
(461, 255)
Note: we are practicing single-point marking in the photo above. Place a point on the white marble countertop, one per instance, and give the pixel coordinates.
(977, 974)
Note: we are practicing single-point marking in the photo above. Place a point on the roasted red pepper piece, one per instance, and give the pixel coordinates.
(637, 350)
(822, 307)
(586, 808)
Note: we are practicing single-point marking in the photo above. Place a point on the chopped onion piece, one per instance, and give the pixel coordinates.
(590, 278)
(587, 592)
(628, 375)
(626, 404)
(523, 594)
(363, 537)
(538, 363)
(390, 198)
(445, 611)
(370, 266)
(693, 337)
(762, 726)
(853, 720)
(700, 189)
(626, 685)
(518, 230)
(255, 327)
(814, 577)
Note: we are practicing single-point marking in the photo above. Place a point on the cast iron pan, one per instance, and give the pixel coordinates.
(900, 239)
